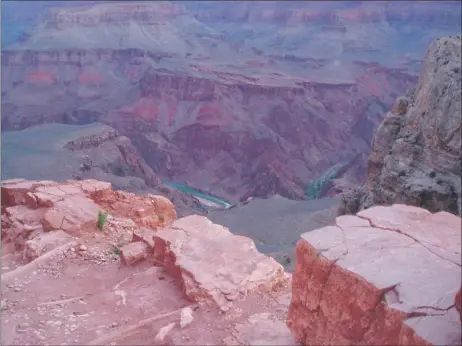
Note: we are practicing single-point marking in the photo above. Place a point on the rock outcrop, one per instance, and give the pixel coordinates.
(208, 261)
(416, 152)
(143, 277)
(387, 276)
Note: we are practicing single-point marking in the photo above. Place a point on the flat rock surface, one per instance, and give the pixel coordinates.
(212, 263)
(378, 277)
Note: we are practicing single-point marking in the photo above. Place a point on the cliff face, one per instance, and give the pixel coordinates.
(416, 152)
(221, 132)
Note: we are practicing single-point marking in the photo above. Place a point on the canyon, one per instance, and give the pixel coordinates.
(252, 101)
(158, 158)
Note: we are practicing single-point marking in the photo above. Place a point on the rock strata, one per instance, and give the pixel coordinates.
(386, 276)
(416, 151)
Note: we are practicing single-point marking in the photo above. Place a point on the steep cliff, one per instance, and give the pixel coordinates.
(416, 152)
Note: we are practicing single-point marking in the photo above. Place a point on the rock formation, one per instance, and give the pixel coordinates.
(143, 278)
(387, 276)
(234, 110)
(416, 152)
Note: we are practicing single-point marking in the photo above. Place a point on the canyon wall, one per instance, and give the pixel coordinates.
(208, 100)
(416, 152)
(218, 132)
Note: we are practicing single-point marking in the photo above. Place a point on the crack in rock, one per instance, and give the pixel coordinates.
(409, 236)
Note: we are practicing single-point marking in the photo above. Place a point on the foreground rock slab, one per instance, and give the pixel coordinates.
(212, 264)
(75, 290)
(387, 276)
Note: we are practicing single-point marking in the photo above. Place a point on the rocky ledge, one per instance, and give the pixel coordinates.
(387, 276)
(142, 278)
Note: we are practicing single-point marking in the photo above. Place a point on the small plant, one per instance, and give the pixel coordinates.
(114, 251)
(102, 218)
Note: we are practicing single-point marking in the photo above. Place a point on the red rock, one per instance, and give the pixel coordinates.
(392, 283)
(53, 220)
(92, 186)
(144, 234)
(72, 212)
(45, 242)
(14, 191)
(458, 303)
(134, 252)
(147, 211)
(212, 264)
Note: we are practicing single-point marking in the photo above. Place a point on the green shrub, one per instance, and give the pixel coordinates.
(102, 218)
(114, 251)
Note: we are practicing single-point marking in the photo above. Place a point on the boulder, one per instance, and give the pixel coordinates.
(211, 263)
(144, 234)
(387, 276)
(71, 212)
(45, 242)
(14, 191)
(134, 252)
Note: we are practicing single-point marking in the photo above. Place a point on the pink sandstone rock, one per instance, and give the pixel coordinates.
(387, 276)
(14, 191)
(212, 264)
(73, 206)
(144, 234)
(458, 303)
(134, 252)
(72, 212)
(147, 211)
(45, 242)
